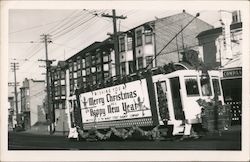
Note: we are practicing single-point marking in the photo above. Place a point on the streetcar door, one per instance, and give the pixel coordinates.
(176, 98)
(191, 93)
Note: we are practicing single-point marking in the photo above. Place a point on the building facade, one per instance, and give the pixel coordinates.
(222, 49)
(86, 69)
(92, 65)
(11, 114)
(32, 95)
(139, 46)
(58, 96)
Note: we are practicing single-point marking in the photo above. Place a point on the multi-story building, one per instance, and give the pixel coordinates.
(58, 96)
(89, 67)
(222, 49)
(32, 102)
(92, 65)
(139, 46)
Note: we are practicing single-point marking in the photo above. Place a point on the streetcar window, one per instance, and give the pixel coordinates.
(205, 86)
(216, 86)
(192, 86)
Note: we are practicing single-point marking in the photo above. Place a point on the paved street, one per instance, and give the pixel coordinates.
(230, 140)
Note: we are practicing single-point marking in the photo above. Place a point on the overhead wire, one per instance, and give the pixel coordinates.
(69, 24)
(73, 28)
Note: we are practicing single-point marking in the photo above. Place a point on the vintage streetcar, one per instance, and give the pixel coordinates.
(154, 104)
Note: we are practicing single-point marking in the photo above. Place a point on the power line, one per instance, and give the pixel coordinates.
(64, 22)
(63, 27)
(38, 26)
(73, 28)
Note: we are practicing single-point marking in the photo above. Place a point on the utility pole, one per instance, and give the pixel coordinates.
(115, 38)
(14, 66)
(46, 39)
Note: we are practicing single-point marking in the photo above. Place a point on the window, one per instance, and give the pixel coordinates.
(56, 91)
(106, 58)
(83, 79)
(58, 73)
(93, 69)
(94, 79)
(75, 83)
(98, 68)
(149, 61)
(106, 74)
(123, 68)
(78, 63)
(75, 75)
(216, 86)
(88, 71)
(98, 58)
(71, 87)
(148, 38)
(79, 81)
(93, 60)
(106, 67)
(83, 72)
(78, 73)
(28, 92)
(192, 86)
(83, 63)
(99, 77)
(122, 44)
(138, 38)
(140, 63)
(63, 90)
(62, 74)
(70, 67)
(62, 82)
(55, 74)
(131, 67)
(205, 86)
(88, 61)
(130, 45)
(70, 75)
(75, 66)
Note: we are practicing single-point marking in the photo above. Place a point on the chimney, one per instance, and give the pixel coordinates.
(226, 18)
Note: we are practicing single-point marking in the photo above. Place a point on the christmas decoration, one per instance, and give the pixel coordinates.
(163, 103)
(215, 116)
(123, 133)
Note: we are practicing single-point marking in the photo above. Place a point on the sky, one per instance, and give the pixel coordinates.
(70, 31)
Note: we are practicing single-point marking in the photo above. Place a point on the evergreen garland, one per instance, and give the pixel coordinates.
(162, 102)
(93, 133)
(215, 116)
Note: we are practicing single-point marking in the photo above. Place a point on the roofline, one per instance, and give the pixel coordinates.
(232, 27)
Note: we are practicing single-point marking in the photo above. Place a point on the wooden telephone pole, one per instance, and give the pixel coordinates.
(46, 39)
(115, 38)
(14, 66)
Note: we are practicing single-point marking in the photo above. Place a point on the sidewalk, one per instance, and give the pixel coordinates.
(39, 132)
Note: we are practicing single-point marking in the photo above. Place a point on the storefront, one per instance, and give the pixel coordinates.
(232, 89)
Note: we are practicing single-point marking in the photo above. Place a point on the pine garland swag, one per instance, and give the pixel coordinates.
(123, 133)
(162, 100)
